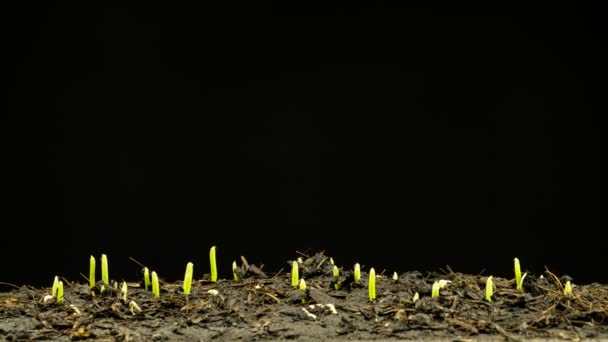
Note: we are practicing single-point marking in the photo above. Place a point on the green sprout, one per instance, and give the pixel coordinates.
(435, 290)
(300, 260)
(568, 289)
(331, 261)
(146, 278)
(372, 284)
(395, 276)
(155, 285)
(519, 280)
(92, 272)
(213, 264)
(236, 276)
(416, 297)
(336, 273)
(55, 287)
(104, 270)
(294, 274)
(357, 273)
(188, 278)
(124, 290)
(302, 284)
(489, 289)
(60, 292)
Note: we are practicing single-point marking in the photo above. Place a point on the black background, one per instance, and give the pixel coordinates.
(399, 137)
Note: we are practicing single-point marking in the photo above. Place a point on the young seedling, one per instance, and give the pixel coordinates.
(236, 276)
(295, 276)
(213, 264)
(146, 278)
(124, 290)
(60, 292)
(155, 285)
(188, 278)
(302, 285)
(357, 274)
(395, 276)
(92, 272)
(416, 297)
(489, 289)
(104, 270)
(55, 287)
(519, 280)
(372, 284)
(331, 261)
(300, 260)
(568, 289)
(336, 273)
(435, 290)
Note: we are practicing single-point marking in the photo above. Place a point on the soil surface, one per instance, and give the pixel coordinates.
(266, 307)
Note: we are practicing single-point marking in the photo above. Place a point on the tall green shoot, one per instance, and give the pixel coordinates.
(234, 274)
(146, 278)
(104, 270)
(155, 285)
(92, 272)
(372, 284)
(188, 278)
(213, 264)
(357, 273)
(60, 292)
(518, 278)
(295, 275)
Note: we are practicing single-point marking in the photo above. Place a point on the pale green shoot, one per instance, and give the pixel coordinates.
(213, 264)
(357, 273)
(416, 297)
(92, 272)
(295, 276)
(336, 273)
(146, 278)
(435, 290)
(372, 284)
(236, 276)
(568, 289)
(55, 287)
(489, 288)
(331, 261)
(302, 284)
(155, 285)
(60, 292)
(104, 270)
(124, 290)
(395, 276)
(519, 280)
(188, 278)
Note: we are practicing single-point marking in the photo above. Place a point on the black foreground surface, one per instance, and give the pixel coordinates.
(265, 307)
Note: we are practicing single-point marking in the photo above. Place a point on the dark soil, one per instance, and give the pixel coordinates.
(266, 307)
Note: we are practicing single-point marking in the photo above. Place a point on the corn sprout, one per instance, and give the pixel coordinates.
(435, 290)
(416, 297)
(155, 285)
(55, 286)
(294, 274)
(104, 270)
(489, 289)
(60, 292)
(236, 276)
(372, 284)
(568, 289)
(92, 272)
(357, 274)
(213, 264)
(146, 278)
(188, 278)
(124, 290)
(519, 280)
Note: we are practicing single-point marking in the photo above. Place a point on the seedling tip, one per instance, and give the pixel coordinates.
(104, 270)
(372, 284)
(155, 285)
(213, 264)
(294, 274)
(188, 278)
